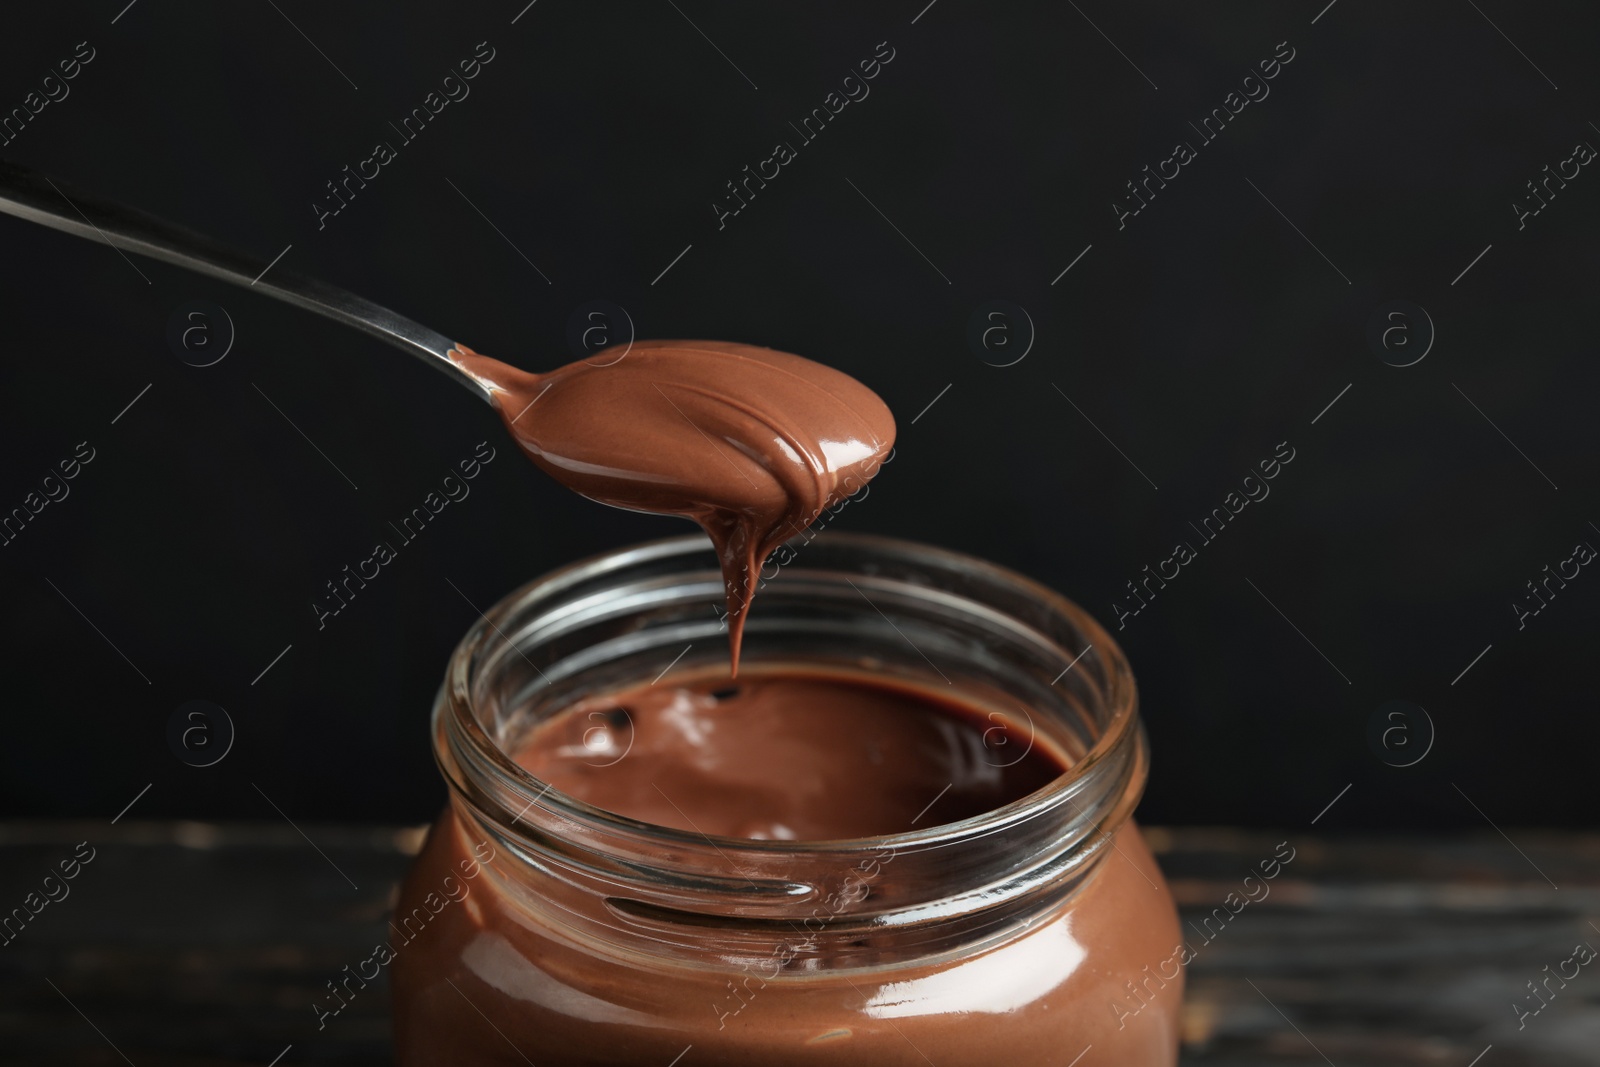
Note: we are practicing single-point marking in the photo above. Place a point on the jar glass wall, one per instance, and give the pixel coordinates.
(537, 928)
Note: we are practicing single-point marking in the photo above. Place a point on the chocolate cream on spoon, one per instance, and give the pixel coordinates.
(751, 443)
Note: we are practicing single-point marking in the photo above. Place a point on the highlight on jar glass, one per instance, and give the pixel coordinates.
(902, 835)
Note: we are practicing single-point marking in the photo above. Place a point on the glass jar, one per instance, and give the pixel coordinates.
(536, 929)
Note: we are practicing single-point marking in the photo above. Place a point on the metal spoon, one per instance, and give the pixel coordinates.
(33, 196)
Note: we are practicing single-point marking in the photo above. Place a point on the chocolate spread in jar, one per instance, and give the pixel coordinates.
(807, 757)
(789, 750)
(751, 443)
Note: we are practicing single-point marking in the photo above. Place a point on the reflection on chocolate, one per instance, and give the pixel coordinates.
(751, 443)
(788, 756)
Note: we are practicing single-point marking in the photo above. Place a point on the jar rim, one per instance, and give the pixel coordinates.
(455, 718)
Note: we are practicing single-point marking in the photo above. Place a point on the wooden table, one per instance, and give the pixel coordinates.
(192, 944)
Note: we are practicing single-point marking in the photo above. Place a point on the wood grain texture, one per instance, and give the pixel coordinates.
(190, 944)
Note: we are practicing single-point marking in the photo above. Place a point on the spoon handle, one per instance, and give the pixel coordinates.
(33, 196)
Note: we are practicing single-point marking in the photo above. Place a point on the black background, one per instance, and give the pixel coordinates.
(1196, 338)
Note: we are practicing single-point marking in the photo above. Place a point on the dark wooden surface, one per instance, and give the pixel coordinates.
(190, 944)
